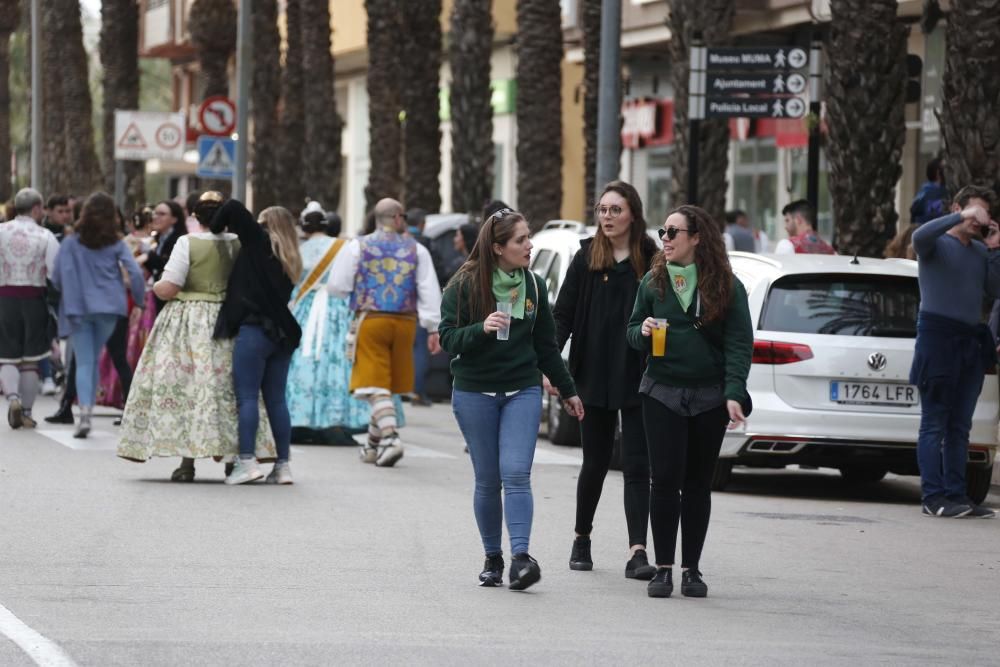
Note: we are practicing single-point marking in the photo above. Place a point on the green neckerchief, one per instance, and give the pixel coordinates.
(684, 280)
(507, 287)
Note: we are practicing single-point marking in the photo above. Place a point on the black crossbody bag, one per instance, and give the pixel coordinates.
(747, 403)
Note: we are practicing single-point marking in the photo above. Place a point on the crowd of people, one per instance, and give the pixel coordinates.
(222, 334)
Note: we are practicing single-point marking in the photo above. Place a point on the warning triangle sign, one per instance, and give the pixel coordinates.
(132, 138)
(217, 159)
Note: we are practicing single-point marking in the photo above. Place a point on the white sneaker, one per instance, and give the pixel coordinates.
(48, 387)
(280, 474)
(245, 470)
(369, 454)
(389, 452)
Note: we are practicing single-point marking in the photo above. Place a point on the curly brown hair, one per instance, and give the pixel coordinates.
(98, 224)
(715, 275)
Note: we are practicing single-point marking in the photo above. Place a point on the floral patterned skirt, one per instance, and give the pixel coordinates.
(182, 401)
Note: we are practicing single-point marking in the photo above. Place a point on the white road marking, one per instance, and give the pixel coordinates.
(97, 440)
(44, 652)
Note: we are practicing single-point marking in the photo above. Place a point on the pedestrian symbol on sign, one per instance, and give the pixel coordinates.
(779, 59)
(779, 84)
(779, 109)
(216, 157)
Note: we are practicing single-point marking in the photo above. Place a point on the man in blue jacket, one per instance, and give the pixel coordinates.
(953, 348)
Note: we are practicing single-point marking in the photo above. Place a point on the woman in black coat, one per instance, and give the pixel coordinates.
(593, 307)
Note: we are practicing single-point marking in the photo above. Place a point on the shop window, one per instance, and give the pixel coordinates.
(799, 160)
(657, 201)
(755, 186)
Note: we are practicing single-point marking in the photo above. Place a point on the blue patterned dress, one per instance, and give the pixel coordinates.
(317, 393)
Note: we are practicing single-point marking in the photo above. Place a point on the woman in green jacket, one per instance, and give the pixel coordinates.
(694, 384)
(497, 394)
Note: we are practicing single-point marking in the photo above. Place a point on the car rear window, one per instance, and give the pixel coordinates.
(844, 305)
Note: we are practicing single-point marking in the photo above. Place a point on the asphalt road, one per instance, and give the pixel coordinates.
(114, 565)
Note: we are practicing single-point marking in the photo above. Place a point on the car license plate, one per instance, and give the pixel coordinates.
(874, 393)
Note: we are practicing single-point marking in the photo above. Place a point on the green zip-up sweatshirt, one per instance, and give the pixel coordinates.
(482, 363)
(694, 358)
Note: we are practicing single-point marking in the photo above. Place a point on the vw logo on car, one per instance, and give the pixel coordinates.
(877, 361)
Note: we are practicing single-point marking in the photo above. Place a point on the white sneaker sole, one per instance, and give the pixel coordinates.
(390, 459)
(233, 480)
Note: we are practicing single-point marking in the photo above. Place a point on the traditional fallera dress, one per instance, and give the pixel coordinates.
(182, 402)
(318, 397)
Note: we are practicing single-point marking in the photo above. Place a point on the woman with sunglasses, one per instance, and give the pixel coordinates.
(497, 361)
(594, 305)
(693, 386)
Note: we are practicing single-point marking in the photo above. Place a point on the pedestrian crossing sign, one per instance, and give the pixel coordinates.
(216, 157)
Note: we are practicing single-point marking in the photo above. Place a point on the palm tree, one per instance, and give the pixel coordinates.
(212, 24)
(10, 19)
(293, 121)
(265, 91)
(713, 19)
(591, 12)
(420, 88)
(471, 45)
(539, 110)
(384, 105)
(865, 99)
(323, 125)
(85, 174)
(54, 173)
(119, 50)
(971, 94)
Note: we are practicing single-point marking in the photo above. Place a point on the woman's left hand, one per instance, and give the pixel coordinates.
(736, 417)
(574, 406)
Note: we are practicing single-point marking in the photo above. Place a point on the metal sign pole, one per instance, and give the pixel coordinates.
(609, 97)
(244, 61)
(812, 157)
(696, 111)
(120, 184)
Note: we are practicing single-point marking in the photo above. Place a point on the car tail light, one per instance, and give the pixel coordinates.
(770, 352)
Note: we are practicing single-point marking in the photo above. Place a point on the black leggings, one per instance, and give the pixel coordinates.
(116, 346)
(682, 456)
(598, 437)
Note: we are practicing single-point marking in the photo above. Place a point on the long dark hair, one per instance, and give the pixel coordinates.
(475, 276)
(715, 275)
(98, 224)
(177, 213)
(640, 246)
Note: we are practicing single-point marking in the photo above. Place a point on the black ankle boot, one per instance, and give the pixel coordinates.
(579, 557)
(64, 415)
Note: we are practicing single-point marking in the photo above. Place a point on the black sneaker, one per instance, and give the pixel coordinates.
(638, 566)
(492, 574)
(579, 557)
(662, 584)
(978, 511)
(524, 572)
(63, 416)
(692, 585)
(944, 508)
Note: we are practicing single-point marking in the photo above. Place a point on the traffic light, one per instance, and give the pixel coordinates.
(914, 68)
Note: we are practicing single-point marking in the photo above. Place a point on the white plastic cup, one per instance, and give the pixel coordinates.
(505, 307)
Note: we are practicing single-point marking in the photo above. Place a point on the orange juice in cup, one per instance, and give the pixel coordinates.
(660, 338)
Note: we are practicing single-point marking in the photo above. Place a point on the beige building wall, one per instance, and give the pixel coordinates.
(573, 147)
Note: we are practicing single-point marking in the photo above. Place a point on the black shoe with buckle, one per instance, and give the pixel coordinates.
(524, 572)
(579, 557)
(692, 585)
(662, 584)
(492, 574)
(638, 566)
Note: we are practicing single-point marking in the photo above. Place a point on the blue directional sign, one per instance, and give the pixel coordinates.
(216, 157)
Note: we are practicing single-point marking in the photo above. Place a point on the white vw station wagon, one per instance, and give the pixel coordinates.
(833, 343)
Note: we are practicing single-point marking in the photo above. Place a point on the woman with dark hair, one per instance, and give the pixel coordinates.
(694, 384)
(182, 401)
(168, 224)
(88, 273)
(594, 305)
(497, 325)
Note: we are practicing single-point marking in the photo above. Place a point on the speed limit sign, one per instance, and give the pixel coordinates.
(168, 136)
(149, 135)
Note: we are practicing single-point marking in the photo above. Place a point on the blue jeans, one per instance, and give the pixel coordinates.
(260, 366)
(87, 341)
(501, 432)
(946, 410)
(421, 361)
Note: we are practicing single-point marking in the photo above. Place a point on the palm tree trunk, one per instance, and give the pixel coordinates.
(471, 45)
(384, 105)
(420, 87)
(10, 15)
(265, 89)
(54, 177)
(213, 32)
(119, 50)
(293, 121)
(591, 88)
(970, 114)
(81, 154)
(323, 124)
(865, 97)
(539, 110)
(713, 19)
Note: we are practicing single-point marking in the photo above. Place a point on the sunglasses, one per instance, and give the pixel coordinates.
(671, 232)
